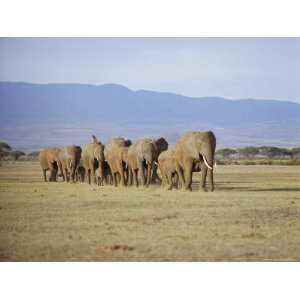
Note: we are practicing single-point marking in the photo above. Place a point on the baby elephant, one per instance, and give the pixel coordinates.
(99, 176)
(167, 167)
(80, 173)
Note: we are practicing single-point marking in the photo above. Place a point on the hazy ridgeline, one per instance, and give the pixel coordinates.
(35, 116)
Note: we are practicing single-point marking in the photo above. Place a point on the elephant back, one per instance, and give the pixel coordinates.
(170, 153)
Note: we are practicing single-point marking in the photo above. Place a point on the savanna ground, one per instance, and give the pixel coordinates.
(254, 215)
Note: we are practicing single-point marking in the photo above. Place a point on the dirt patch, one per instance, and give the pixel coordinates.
(253, 235)
(117, 247)
(155, 220)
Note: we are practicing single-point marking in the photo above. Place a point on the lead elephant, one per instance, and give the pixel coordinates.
(69, 159)
(194, 151)
(49, 161)
(116, 152)
(141, 158)
(92, 158)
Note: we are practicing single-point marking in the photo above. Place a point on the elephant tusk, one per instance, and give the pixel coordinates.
(206, 163)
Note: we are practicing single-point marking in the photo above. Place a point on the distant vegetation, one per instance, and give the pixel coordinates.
(262, 155)
(8, 153)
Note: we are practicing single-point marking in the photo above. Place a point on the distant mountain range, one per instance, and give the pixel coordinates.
(38, 115)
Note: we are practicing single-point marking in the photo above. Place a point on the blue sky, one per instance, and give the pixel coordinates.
(265, 68)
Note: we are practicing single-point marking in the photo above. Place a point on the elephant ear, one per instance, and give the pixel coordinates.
(161, 144)
(95, 139)
(128, 143)
(192, 147)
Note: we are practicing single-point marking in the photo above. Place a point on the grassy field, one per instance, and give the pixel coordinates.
(254, 215)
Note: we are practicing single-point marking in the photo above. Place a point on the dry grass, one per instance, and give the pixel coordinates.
(254, 214)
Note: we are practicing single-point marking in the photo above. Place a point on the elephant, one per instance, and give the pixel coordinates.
(92, 158)
(195, 151)
(141, 157)
(99, 176)
(69, 159)
(80, 173)
(161, 145)
(116, 155)
(167, 167)
(49, 161)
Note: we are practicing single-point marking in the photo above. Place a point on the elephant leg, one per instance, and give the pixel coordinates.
(88, 174)
(129, 181)
(53, 173)
(126, 176)
(61, 173)
(115, 179)
(122, 178)
(203, 177)
(66, 175)
(135, 178)
(169, 177)
(165, 178)
(121, 172)
(211, 180)
(181, 175)
(44, 175)
(94, 175)
(118, 177)
(141, 171)
(188, 171)
(154, 177)
(175, 179)
(72, 174)
(149, 169)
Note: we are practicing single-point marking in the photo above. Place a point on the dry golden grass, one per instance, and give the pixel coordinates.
(254, 215)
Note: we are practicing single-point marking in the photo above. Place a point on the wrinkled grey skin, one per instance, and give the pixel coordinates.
(69, 159)
(167, 167)
(115, 152)
(92, 157)
(142, 156)
(190, 152)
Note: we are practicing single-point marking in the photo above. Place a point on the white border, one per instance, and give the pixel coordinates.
(149, 18)
(149, 281)
(144, 280)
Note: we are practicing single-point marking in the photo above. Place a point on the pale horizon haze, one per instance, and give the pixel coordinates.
(234, 68)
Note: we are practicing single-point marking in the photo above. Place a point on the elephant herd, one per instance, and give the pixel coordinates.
(121, 162)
